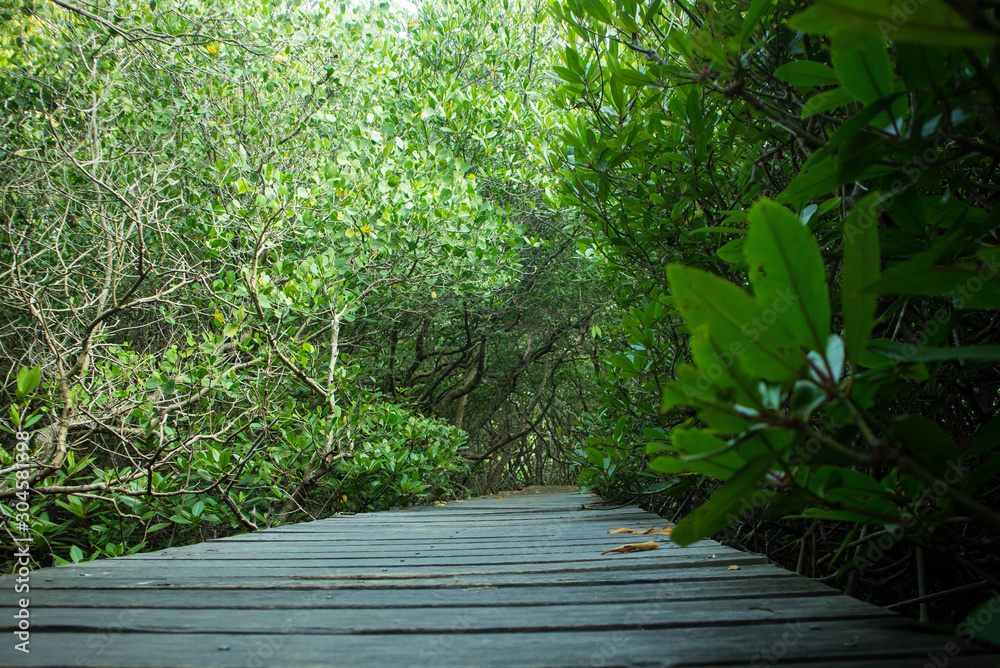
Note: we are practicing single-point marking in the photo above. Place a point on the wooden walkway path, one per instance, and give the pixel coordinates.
(512, 580)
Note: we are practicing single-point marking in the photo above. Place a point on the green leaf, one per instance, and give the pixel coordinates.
(818, 176)
(985, 440)
(632, 77)
(76, 554)
(788, 274)
(752, 17)
(866, 72)
(715, 308)
(807, 73)
(908, 353)
(806, 398)
(926, 442)
(27, 381)
(965, 286)
(732, 251)
(826, 100)
(724, 506)
(984, 622)
(857, 153)
(862, 265)
(923, 22)
(695, 117)
(597, 9)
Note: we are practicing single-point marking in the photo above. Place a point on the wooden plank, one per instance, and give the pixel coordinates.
(662, 614)
(179, 572)
(425, 554)
(295, 549)
(836, 642)
(582, 593)
(53, 579)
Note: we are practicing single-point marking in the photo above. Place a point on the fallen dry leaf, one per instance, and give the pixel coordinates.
(757, 607)
(734, 567)
(634, 547)
(440, 503)
(651, 530)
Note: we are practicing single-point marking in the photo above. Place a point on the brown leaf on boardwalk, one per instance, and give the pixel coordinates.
(651, 530)
(734, 567)
(634, 547)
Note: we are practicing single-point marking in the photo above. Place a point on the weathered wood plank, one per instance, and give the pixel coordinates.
(415, 597)
(376, 556)
(662, 614)
(295, 550)
(54, 579)
(836, 642)
(179, 571)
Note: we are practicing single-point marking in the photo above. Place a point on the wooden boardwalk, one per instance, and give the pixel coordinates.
(512, 580)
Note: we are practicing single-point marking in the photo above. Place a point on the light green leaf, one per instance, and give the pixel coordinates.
(862, 265)
(27, 380)
(715, 308)
(788, 274)
(597, 9)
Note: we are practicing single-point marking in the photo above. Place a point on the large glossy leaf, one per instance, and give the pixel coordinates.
(925, 441)
(924, 22)
(726, 503)
(901, 353)
(807, 73)
(787, 273)
(715, 308)
(861, 267)
(865, 70)
(965, 285)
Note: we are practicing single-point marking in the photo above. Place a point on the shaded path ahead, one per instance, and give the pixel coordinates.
(516, 579)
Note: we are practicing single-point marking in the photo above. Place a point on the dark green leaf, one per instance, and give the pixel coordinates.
(807, 73)
(908, 353)
(788, 274)
(928, 22)
(865, 71)
(726, 504)
(862, 265)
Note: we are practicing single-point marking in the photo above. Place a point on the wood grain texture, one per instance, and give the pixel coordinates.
(511, 581)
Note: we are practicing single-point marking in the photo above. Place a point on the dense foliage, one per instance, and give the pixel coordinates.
(255, 262)
(800, 207)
